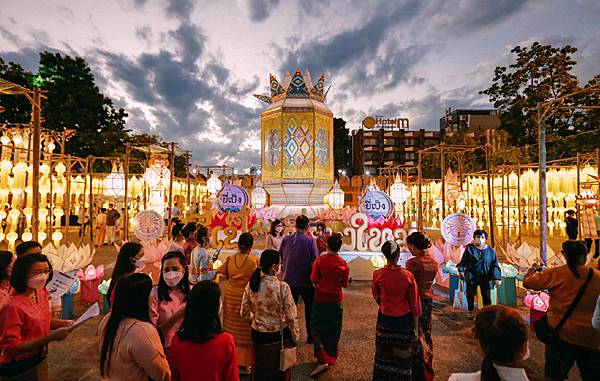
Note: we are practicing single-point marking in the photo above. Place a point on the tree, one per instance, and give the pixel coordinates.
(342, 145)
(539, 73)
(75, 102)
(17, 109)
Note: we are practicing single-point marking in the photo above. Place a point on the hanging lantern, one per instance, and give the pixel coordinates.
(5, 140)
(587, 197)
(399, 191)
(213, 185)
(378, 261)
(335, 197)
(114, 184)
(259, 196)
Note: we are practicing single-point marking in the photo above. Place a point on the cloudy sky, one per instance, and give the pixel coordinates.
(186, 69)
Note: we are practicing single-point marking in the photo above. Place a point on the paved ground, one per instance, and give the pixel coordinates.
(454, 348)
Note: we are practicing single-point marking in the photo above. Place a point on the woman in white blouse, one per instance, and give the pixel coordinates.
(503, 338)
(268, 304)
(275, 235)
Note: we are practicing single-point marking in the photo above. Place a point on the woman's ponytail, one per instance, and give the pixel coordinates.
(255, 280)
(488, 370)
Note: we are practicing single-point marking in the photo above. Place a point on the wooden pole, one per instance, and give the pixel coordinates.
(85, 175)
(36, 121)
(171, 190)
(51, 227)
(187, 174)
(543, 208)
(577, 206)
(420, 192)
(68, 194)
(443, 170)
(489, 190)
(92, 203)
(126, 196)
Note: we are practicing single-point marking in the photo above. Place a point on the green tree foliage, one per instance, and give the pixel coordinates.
(17, 109)
(541, 73)
(75, 102)
(342, 146)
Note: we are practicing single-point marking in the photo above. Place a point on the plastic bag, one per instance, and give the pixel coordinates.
(508, 270)
(450, 268)
(460, 297)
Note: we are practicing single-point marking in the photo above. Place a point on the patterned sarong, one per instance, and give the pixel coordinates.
(393, 348)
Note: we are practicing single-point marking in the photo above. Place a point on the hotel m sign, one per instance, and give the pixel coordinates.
(371, 122)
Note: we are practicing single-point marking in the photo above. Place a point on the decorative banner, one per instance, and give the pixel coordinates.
(148, 225)
(232, 198)
(458, 229)
(376, 204)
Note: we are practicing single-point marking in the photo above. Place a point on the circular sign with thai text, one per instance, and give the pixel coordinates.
(376, 204)
(457, 229)
(148, 225)
(232, 198)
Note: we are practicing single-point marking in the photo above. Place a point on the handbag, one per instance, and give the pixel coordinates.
(547, 334)
(287, 356)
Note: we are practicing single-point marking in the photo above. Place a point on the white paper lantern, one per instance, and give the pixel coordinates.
(335, 197)
(114, 184)
(259, 196)
(399, 191)
(213, 185)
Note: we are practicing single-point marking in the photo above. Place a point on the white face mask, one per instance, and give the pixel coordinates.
(480, 242)
(279, 229)
(139, 263)
(172, 278)
(38, 281)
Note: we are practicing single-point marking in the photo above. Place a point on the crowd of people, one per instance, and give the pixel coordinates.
(187, 328)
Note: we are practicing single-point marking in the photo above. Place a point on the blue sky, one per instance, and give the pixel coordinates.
(185, 69)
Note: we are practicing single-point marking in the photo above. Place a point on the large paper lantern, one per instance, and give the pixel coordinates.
(213, 185)
(259, 196)
(399, 191)
(114, 184)
(335, 197)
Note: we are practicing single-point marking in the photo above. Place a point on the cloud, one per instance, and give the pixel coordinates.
(180, 9)
(259, 10)
(476, 14)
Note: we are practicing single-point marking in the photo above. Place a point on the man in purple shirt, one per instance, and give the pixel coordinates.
(299, 252)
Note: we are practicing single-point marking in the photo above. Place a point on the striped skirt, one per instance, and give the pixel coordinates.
(393, 348)
(235, 325)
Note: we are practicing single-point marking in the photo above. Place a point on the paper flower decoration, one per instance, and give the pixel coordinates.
(91, 273)
(69, 258)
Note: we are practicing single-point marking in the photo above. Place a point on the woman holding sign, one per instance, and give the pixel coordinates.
(26, 321)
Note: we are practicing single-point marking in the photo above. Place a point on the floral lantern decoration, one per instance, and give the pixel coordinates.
(213, 185)
(259, 196)
(114, 184)
(587, 197)
(335, 197)
(399, 191)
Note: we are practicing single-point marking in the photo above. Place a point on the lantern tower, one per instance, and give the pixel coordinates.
(296, 144)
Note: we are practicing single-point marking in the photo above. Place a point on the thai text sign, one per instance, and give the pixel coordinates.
(232, 198)
(376, 204)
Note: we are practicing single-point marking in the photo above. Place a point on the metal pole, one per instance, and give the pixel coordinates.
(489, 190)
(126, 196)
(420, 192)
(36, 119)
(171, 190)
(543, 208)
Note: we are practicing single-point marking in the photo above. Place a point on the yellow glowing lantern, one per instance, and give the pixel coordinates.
(6, 165)
(19, 168)
(41, 236)
(259, 196)
(2, 236)
(5, 140)
(378, 261)
(44, 169)
(27, 236)
(17, 139)
(60, 168)
(335, 197)
(56, 238)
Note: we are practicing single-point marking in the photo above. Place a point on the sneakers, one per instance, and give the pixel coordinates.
(319, 369)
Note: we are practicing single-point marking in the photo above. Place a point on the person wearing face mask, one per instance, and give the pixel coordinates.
(503, 338)
(26, 323)
(275, 235)
(269, 306)
(200, 261)
(322, 237)
(7, 260)
(238, 269)
(167, 300)
(128, 261)
(479, 268)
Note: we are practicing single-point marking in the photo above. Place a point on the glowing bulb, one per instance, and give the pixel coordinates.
(17, 139)
(41, 237)
(5, 140)
(27, 236)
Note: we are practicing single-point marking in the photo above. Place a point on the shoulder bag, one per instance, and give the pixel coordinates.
(287, 356)
(547, 334)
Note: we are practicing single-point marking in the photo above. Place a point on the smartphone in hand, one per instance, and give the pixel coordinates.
(216, 254)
